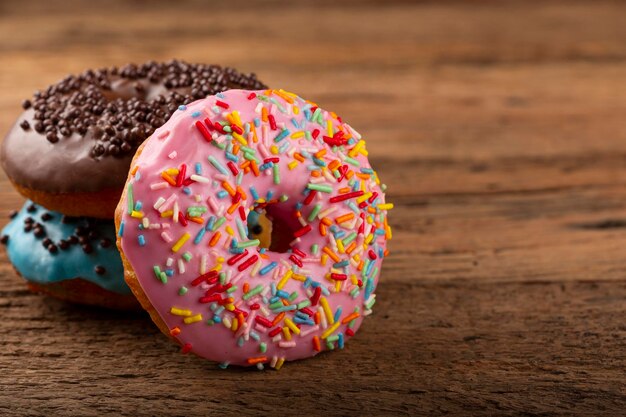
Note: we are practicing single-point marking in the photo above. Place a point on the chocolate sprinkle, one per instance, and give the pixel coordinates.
(100, 270)
(4, 239)
(118, 118)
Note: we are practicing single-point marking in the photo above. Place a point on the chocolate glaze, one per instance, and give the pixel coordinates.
(80, 134)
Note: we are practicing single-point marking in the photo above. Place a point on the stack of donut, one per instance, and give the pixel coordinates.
(69, 153)
(250, 223)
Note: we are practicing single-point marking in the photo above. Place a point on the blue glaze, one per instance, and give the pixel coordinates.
(35, 263)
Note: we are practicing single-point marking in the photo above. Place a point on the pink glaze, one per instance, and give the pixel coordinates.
(186, 306)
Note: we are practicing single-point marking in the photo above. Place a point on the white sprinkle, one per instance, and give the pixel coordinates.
(159, 186)
(200, 178)
(172, 155)
(166, 237)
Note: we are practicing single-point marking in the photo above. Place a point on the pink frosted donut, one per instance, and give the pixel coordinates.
(182, 228)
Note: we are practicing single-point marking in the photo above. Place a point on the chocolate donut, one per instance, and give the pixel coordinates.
(71, 148)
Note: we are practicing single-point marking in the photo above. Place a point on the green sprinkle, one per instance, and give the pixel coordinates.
(314, 212)
(210, 322)
(217, 164)
(355, 292)
(218, 223)
(303, 304)
(157, 271)
(370, 303)
(253, 292)
(275, 305)
(348, 239)
(182, 291)
(163, 277)
(129, 198)
(293, 296)
(263, 347)
(187, 256)
(352, 161)
(247, 244)
(332, 338)
(222, 276)
(315, 249)
(232, 289)
(276, 172)
(283, 198)
(320, 187)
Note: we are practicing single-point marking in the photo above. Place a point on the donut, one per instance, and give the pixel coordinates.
(71, 148)
(187, 255)
(71, 258)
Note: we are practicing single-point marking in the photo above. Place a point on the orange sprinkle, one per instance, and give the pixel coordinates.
(316, 344)
(316, 317)
(322, 229)
(242, 192)
(334, 164)
(344, 190)
(167, 178)
(350, 248)
(244, 164)
(255, 139)
(363, 176)
(198, 220)
(326, 221)
(260, 359)
(134, 170)
(228, 188)
(246, 287)
(233, 207)
(360, 267)
(278, 318)
(349, 318)
(320, 153)
(315, 174)
(264, 114)
(344, 218)
(255, 168)
(349, 174)
(235, 149)
(215, 239)
(174, 331)
(298, 157)
(330, 253)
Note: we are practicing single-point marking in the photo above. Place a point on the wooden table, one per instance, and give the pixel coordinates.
(500, 130)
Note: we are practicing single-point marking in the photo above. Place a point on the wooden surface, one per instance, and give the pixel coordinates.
(500, 130)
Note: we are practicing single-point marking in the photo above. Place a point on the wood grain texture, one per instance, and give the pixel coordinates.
(499, 128)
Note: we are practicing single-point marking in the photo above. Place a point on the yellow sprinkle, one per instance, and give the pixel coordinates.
(324, 259)
(193, 319)
(329, 128)
(284, 280)
(357, 148)
(230, 230)
(299, 277)
(274, 149)
(331, 330)
(292, 164)
(287, 333)
(235, 325)
(368, 239)
(235, 114)
(229, 307)
(296, 110)
(387, 206)
(136, 214)
(240, 138)
(279, 363)
(340, 246)
(353, 279)
(364, 196)
(297, 135)
(172, 171)
(292, 326)
(180, 312)
(167, 213)
(327, 312)
(338, 286)
(179, 244)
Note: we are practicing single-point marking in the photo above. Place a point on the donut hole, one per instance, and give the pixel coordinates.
(274, 227)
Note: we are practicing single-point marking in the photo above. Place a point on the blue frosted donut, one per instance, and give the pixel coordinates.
(46, 247)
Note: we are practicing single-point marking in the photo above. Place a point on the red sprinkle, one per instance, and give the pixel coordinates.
(272, 122)
(274, 159)
(235, 171)
(182, 220)
(316, 296)
(236, 129)
(263, 321)
(373, 197)
(248, 263)
(181, 175)
(295, 260)
(350, 332)
(309, 197)
(210, 298)
(186, 348)
(255, 306)
(274, 332)
(222, 104)
(338, 277)
(302, 231)
(208, 277)
(307, 311)
(315, 133)
(234, 259)
(242, 213)
(371, 254)
(204, 131)
(299, 252)
(251, 96)
(347, 196)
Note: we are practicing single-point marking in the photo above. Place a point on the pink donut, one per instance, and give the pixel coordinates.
(183, 236)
